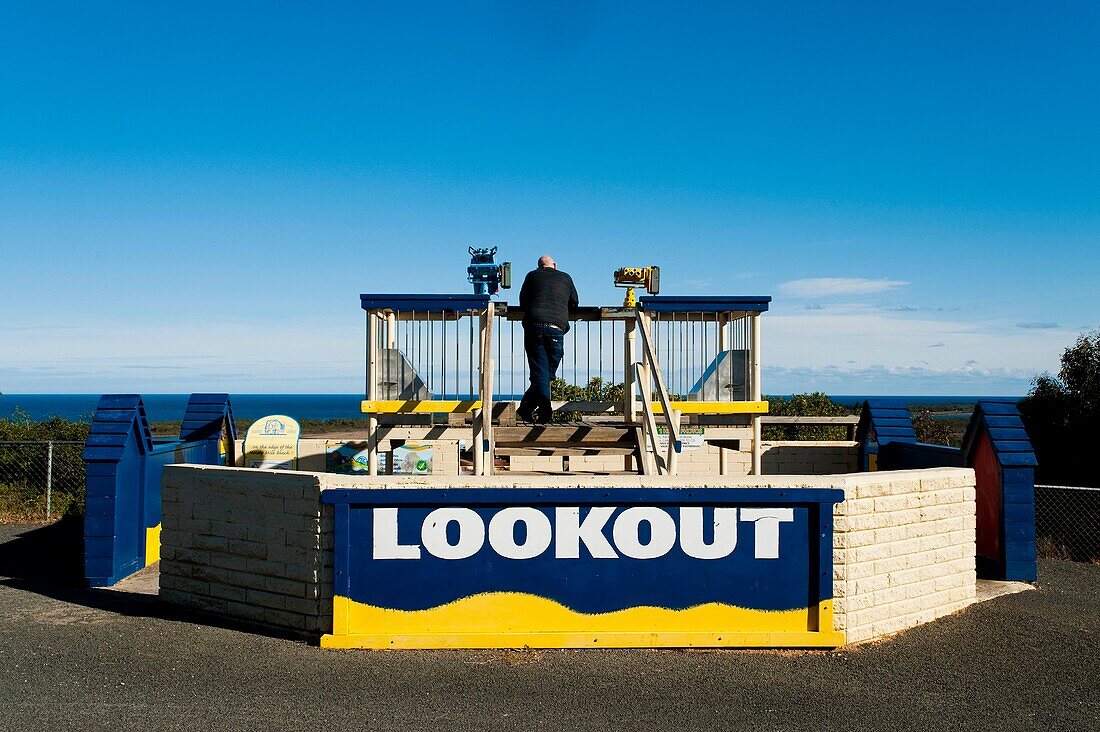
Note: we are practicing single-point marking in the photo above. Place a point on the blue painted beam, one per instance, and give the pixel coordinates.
(705, 304)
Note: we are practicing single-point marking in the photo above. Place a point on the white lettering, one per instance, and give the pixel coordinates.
(471, 533)
(571, 532)
(767, 520)
(627, 532)
(386, 545)
(502, 533)
(691, 533)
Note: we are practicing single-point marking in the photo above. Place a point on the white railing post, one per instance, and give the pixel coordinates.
(372, 391)
(483, 418)
(630, 399)
(723, 346)
(755, 344)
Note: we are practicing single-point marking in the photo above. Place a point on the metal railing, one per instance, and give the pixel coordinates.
(1067, 522)
(40, 479)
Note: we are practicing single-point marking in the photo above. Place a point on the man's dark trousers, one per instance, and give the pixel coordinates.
(543, 344)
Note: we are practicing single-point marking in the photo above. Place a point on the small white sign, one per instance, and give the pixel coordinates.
(691, 438)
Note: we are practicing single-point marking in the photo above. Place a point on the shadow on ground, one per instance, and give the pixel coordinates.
(48, 560)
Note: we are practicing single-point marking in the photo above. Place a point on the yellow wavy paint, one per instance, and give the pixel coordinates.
(518, 612)
(509, 619)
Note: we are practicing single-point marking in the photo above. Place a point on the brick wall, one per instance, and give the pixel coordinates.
(903, 550)
(243, 545)
(808, 458)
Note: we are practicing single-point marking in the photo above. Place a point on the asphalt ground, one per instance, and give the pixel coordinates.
(73, 658)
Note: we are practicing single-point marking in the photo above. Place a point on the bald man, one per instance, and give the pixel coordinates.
(546, 298)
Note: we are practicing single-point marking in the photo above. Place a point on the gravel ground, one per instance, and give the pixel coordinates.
(93, 659)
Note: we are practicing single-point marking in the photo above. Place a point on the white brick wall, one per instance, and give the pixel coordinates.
(903, 550)
(808, 458)
(249, 545)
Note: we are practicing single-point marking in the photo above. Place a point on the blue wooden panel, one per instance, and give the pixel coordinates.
(110, 439)
(1020, 512)
(1018, 475)
(1012, 446)
(1019, 497)
(704, 303)
(98, 570)
(992, 421)
(902, 413)
(99, 507)
(424, 303)
(1017, 459)
(1006, 433)
(1019, 531)
(1020, 488)
(100, 546)
(1020, 551)
(892, 422)
(101, 453)
(998, 408)
(99, 525)
(891, 433)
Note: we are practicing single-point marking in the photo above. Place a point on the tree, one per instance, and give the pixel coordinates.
(1062, 416)
(932, 431)
(816, 404)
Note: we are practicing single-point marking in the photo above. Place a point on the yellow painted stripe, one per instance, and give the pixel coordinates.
(434, 406)
(152, 544)
(715, 407)
(440, 406)
(512, 620)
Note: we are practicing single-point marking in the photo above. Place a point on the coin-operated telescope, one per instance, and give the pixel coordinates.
(648, 278)
(487, 276)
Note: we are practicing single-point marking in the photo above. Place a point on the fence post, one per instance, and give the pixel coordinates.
(49, 479)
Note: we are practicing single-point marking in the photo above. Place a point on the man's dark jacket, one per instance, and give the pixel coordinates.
(547, 296)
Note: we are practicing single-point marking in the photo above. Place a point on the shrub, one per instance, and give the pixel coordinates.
(816, 404)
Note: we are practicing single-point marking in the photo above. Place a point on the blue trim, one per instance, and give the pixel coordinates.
(705, 304)
(822, 558)
(549, 496)
(424, 303)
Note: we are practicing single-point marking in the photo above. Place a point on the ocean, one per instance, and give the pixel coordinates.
(170, 407)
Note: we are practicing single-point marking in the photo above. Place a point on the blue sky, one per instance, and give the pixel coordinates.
(193, 195)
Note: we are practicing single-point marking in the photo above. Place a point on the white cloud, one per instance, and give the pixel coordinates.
(830, 286)
(876, 347)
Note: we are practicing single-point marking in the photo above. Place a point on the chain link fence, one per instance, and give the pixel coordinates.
(1067, 522)
(41, 480)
